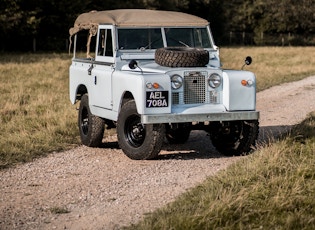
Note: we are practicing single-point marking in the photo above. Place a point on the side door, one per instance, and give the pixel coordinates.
(103, 68)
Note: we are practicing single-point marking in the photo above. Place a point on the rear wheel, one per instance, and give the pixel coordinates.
(138, 141)
(234, 137)
(91, 127)
(178, 135)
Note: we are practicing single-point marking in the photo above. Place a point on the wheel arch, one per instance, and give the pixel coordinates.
(80, 91)
(125, 97)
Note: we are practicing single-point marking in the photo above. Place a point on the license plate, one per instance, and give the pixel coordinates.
(157, 99)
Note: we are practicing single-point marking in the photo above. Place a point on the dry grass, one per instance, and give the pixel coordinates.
(272, 189)
(36, 114)
(272, 65)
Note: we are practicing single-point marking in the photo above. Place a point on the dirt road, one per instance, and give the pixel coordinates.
(100, 188)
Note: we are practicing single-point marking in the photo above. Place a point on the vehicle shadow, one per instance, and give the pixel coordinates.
(110, 145)
(270, 134)
(199, 145)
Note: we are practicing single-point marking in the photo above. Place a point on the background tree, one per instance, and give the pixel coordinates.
(30, 25)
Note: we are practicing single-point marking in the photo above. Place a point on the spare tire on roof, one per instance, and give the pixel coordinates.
(181, 57)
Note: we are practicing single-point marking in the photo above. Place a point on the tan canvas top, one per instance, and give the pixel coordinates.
(134, 18)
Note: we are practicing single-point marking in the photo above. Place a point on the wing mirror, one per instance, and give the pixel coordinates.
(248, 61)
(133, 64)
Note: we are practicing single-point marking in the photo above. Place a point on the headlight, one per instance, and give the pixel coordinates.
(214, 80)
(176, 81)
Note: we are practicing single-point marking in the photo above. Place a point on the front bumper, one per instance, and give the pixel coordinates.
(218, 116)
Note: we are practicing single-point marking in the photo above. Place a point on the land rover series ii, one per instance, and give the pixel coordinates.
(155, 76)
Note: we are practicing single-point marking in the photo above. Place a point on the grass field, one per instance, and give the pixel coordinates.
(36, 114)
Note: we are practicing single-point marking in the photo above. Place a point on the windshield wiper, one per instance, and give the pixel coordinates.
(179, 41)
(150, 44)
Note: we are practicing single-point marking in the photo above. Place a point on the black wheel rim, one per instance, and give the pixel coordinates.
(84, 122)
(134, 131)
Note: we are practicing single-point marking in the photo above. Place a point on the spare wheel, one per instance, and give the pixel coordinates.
(181, 57)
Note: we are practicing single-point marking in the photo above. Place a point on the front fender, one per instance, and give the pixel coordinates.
(237, 97)
(135, 83)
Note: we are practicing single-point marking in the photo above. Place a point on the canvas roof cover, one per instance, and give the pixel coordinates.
(134, 18)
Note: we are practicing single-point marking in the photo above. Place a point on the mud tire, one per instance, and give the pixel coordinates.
(91, 127)
(138, 141)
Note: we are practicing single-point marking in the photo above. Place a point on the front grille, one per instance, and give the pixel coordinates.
(195, 90)
(175, 98)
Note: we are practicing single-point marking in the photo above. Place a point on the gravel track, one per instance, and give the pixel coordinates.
(103, 189)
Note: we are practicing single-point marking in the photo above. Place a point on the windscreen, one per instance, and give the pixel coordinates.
(140, 39)
(189, 37)
(151, 38)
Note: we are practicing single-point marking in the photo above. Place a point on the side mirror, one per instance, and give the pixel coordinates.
(133, 64)
(248, 60)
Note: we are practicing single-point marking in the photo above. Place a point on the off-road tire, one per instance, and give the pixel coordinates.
(235, 137)
(181, 57)
(179, 135)
(91, 127)
(138, 141)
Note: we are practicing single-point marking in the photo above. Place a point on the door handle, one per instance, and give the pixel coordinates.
(90, 69)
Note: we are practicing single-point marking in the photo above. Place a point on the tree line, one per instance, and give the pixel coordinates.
(31, 25)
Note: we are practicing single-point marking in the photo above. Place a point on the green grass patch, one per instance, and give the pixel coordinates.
(272, 189)
(36, 114)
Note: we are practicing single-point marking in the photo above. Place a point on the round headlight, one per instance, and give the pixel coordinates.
(214, 80)
(176, 81)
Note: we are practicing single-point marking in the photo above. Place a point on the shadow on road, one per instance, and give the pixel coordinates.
(270, 134)
(199, 145)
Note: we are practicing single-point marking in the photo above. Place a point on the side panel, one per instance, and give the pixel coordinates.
(237, 97)
(78, 75)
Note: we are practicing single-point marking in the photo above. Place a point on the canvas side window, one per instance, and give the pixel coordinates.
(85, 45)
(105, 47)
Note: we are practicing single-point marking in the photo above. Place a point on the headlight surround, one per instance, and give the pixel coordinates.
(214, 80)
(176, 81)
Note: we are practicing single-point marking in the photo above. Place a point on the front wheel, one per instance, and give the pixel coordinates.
(234, 138)
(91, 127)
(138, 141)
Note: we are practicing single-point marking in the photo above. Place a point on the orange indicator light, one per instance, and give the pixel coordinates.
(244, 82)
(156, 85)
